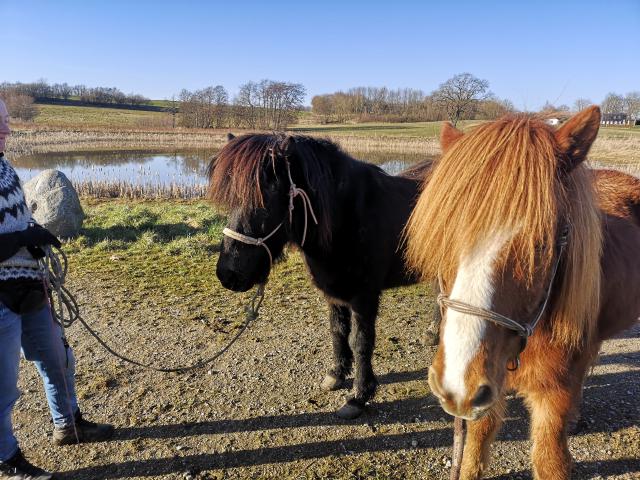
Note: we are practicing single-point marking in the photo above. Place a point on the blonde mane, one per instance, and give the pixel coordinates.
(505, 176)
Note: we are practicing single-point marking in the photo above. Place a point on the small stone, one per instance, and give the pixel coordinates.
(180, 448)
(448, 464)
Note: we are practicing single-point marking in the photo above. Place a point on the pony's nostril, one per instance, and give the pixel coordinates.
(483, 396)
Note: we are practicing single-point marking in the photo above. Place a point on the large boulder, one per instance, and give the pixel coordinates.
(54, 203)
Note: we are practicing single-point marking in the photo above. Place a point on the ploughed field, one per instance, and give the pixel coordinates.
(144, 273)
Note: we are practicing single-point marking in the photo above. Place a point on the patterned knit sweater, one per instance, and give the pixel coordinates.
(14, 217)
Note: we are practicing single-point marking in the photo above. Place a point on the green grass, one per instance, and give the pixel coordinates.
(149, 252)
(96, 117)
(379, 129)
(161, 103)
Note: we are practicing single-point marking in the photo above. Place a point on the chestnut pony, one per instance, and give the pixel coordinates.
(538, 264)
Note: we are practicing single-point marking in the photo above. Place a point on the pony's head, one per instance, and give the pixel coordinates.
(490, 223)
(252, 177)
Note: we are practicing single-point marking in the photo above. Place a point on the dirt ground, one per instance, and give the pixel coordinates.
(259, 413)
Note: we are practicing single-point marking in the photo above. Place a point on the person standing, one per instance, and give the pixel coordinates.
(27, 324)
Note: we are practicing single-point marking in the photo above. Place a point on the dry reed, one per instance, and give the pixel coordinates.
(146, 191)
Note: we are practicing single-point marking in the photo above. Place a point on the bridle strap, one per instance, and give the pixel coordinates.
(252, 241)
(294, 192)
(524, 330)
(490, 315)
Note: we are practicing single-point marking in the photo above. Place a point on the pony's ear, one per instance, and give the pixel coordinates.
(576, 136)
(448, 136)
(230, 136)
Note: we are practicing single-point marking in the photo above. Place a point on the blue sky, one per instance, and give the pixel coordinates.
(529, 51)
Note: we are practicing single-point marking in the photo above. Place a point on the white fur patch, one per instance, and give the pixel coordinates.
(463, 333)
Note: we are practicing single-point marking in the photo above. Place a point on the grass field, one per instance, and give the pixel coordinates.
(96, 117)
(378, 129)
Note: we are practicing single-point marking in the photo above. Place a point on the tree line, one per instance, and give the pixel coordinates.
(616, 103)
(461, 97)
(42, 91)
(273, 105)
(265, 105)
(612, 103)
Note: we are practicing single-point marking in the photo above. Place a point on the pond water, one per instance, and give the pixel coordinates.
(145, 168)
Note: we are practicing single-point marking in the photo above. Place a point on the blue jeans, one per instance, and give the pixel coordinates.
(41, 341)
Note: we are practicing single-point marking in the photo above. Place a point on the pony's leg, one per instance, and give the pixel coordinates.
(364, 311)
(550, 410)
(579, 374)
(480, 435)
(340, 326)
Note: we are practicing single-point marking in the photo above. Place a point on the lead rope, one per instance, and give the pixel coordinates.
(65, 311)
(459, 432)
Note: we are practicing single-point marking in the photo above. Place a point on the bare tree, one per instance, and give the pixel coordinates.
(493, 108)
(220, 101)
(459, 96)
(581, 103)
(269, 104)
(19, 105)
(206, 108)
(246, 104)
(632, 105)
(322, 105)
(173, 110)
(613, 103)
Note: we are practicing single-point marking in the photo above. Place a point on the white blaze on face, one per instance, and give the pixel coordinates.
(463, 333)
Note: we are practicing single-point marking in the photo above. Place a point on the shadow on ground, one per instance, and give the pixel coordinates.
(599, 389)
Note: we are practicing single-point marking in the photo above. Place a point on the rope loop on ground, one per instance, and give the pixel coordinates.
(66, 312)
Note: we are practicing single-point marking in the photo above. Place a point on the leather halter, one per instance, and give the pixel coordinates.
(294, 192)
(524, 330)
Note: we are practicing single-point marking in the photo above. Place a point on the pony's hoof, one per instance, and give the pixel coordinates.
(577, 426)
(331, 383)
(351, 409)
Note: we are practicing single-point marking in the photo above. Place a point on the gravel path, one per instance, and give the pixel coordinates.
(258, 412)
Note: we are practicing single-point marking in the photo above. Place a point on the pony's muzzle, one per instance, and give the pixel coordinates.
(470, 408)
(232, 281)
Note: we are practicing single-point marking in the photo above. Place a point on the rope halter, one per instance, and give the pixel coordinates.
(294, 192)
(524, 330)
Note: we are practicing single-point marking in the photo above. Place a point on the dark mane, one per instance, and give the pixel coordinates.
(235, 174)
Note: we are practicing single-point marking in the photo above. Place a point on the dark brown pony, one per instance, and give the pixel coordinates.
(515, 225)
(352, 253)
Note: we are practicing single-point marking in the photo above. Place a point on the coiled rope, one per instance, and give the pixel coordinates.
(66, 312)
